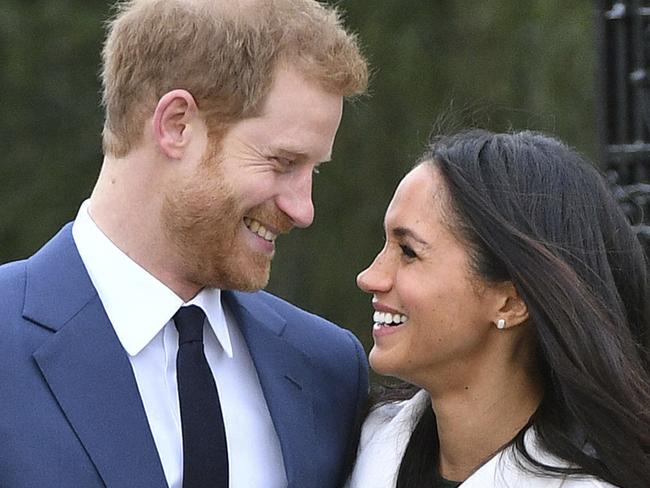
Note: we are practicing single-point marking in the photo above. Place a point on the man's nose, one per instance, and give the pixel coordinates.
(295, 200)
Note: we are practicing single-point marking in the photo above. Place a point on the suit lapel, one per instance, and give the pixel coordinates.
(87, 369)
(283, 373)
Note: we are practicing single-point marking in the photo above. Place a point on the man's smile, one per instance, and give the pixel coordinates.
(260, 229)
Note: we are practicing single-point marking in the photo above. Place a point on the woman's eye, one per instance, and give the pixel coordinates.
(407, 251)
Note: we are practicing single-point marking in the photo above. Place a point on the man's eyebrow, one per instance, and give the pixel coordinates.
(401, 232)
(297, 154)
(290, 153)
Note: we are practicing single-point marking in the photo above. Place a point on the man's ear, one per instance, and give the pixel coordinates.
(512, 310)
(173, 120)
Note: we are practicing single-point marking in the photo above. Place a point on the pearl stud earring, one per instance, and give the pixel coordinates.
(501, 324)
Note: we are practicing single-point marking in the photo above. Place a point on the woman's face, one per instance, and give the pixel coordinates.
(421, 282)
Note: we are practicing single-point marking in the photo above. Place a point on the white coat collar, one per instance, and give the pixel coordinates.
(385, 436)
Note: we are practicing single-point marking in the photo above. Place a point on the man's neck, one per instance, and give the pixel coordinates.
(125, 205)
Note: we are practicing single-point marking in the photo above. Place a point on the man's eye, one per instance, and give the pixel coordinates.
(407, 251)
(283, 161)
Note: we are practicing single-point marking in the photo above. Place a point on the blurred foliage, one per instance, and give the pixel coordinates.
(51, 119)
(501, 64)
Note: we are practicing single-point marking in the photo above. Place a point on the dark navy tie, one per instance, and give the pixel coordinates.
(205, 454)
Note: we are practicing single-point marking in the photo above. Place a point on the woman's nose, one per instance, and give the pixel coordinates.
(375, 278)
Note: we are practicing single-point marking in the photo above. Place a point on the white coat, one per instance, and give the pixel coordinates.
(386, 433)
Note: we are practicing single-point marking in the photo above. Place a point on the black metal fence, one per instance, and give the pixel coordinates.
(623, 36)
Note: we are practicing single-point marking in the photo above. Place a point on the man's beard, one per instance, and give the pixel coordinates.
(204, 222)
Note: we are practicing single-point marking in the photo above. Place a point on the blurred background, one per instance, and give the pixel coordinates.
(503, 64)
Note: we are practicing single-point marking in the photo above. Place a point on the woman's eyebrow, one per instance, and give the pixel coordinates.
(402, 232)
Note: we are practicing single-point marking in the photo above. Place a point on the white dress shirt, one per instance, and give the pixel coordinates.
(140, 307)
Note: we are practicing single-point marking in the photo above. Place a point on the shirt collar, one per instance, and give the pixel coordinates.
(209, 300)
(137, 303)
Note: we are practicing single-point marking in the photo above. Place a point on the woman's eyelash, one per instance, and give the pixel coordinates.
(408, 252)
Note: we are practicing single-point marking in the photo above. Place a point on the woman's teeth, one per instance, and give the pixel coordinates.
(257, 228)
(388, 319)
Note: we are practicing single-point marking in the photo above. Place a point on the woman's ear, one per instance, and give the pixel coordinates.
(173, 119)
(511, 309)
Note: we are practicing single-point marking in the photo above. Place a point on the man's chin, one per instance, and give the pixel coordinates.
(248, 282)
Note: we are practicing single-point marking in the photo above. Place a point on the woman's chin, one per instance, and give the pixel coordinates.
(381, 363)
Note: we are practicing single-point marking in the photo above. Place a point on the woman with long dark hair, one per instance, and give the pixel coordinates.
(511, 296)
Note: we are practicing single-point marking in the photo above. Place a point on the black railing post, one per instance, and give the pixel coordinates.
(623, 35)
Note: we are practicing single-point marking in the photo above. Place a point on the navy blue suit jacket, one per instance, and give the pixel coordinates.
(70, 411)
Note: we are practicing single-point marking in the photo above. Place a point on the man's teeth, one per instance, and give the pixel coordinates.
(390, 319)
(256, 228)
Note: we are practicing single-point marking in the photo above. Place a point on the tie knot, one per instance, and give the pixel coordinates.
(189, 323)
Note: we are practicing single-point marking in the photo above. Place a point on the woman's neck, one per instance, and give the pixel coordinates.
(477, 420)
